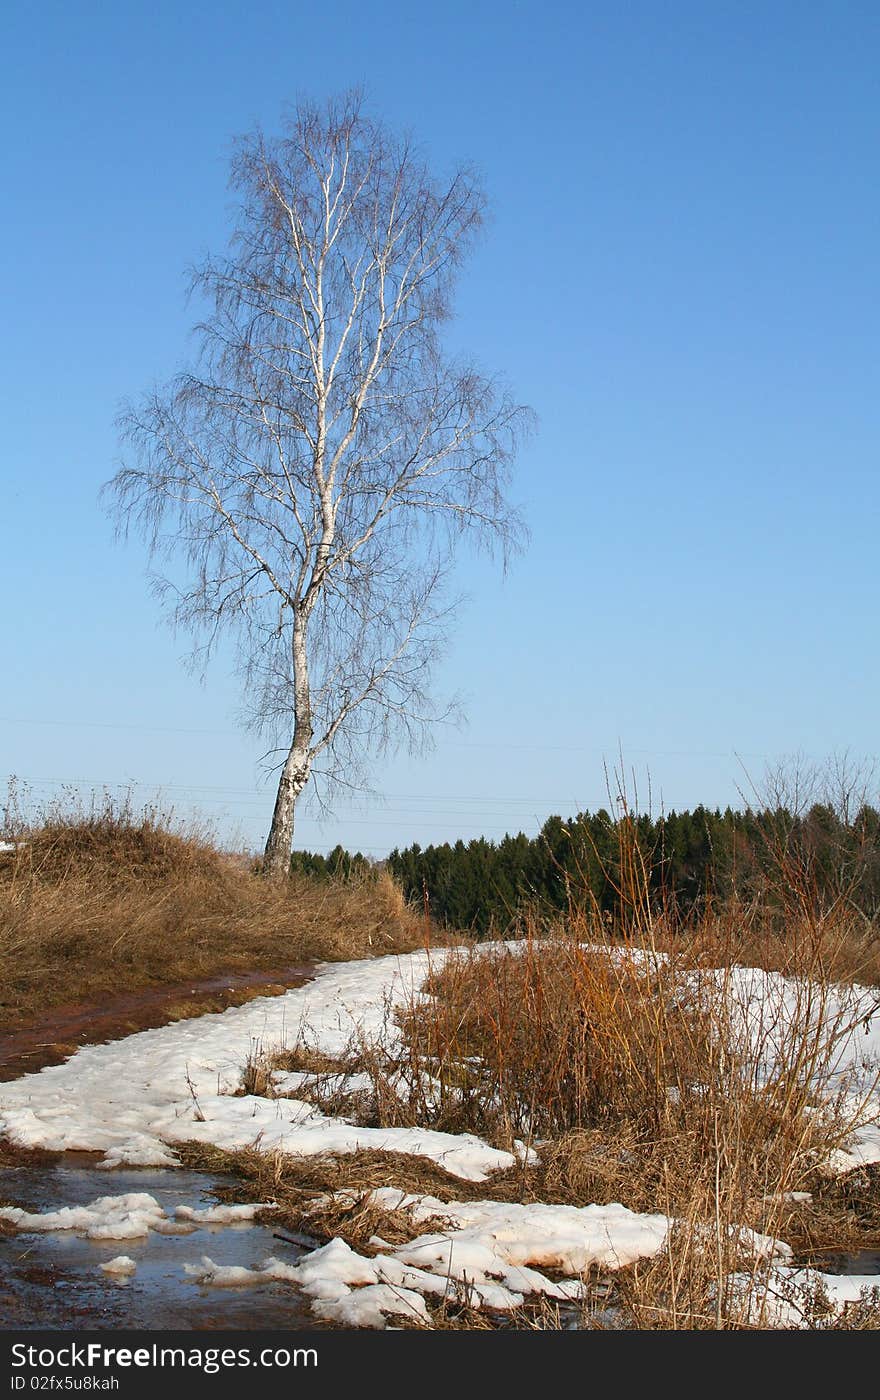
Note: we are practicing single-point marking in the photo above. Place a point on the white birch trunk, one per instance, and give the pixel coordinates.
(297, 765)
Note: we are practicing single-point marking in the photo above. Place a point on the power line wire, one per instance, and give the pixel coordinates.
(505, 747)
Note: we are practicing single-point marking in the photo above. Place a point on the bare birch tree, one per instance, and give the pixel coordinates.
(318, 465)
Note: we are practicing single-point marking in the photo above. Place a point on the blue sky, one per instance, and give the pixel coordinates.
(680, 276)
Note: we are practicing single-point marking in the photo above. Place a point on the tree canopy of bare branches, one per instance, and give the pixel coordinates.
(318, 465)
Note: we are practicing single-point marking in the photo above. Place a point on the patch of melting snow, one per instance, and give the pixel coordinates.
(796, 1298)
(490, 1254)
(133, 1099)
(344, 1287)
(130, 1216)
(122, 1266)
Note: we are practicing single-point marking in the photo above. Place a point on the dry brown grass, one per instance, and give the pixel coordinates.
(557, 1035)
(835, 943)
(12, 1155)
(94, 902)
(330, 1195)
(643, 1054)
(630, 1073)
(691, 1286)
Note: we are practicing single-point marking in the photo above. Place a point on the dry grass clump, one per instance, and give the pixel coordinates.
(635, 1075)
(690, 1286)
(534, 1041)
(98, 900)
(831, 942)
(636, 1078)
(110, 842)
(330, 1195)
(841, 1216)
(13, 1156)
(655, 1056)
(631, 1076)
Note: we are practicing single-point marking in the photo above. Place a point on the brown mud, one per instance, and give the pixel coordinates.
(62, 1029)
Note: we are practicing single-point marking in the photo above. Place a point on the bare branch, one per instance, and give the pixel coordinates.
(317, 468)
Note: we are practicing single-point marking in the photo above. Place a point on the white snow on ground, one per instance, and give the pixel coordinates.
(497, 1238)
(128, 1217)
(798, 1298)
(485, 1254)
(303, 1131)
(838, 1026)
(133, 1099)
(347, 1288)
(221, 1215)
(344, 1286)
(490, 1249)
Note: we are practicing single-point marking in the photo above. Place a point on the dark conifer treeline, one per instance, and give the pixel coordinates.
(688, 858)
(339, 864)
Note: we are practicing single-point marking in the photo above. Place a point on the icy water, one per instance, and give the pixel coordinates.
(54, 1280)
(861, 1261)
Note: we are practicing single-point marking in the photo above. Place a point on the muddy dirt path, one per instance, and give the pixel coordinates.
(63, 1029)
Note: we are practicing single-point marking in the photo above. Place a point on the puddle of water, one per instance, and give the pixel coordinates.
(860, 1261)
(54, 1280)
